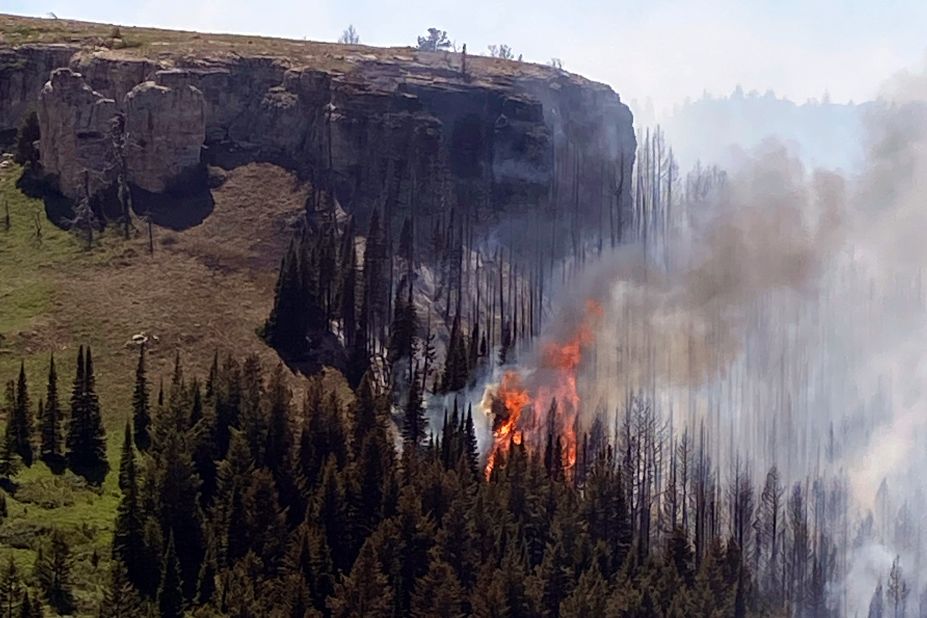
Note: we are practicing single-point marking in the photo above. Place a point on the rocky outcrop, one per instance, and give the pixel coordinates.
(166, 129)
(75, 142)
(23, 72)
(406, 131)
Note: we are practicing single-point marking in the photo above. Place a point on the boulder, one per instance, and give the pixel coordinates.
(166, 128)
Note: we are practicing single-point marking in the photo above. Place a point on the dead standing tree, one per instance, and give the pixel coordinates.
(120, 143)
(84, 218)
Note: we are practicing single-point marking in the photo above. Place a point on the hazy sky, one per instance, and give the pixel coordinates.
(666, 50)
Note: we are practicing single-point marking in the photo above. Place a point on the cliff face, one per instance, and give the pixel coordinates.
(407, 131)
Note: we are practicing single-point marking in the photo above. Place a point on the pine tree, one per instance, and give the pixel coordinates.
(265, 520)
(10, 586)
(141, 409)
(438, 593)
(206, 581)
(10, 463)
(20, 424)
(588, 598)
(414, 539)
(286, 327)
(330, 510)
(129, 544)
(30, 608)
(234, 473)
(365, 592)
(472, 446)
(279, 443)
(52, 440)
(53, 573)
(252, 419)
(404, 326)
(86, 441)
(456, 362)
(414, 422)
(177, 502)
(171, 590)
(120, 599)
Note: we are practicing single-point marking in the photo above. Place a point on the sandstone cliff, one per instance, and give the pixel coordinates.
(392, 128)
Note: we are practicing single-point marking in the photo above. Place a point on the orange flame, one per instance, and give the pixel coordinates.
(556, 406)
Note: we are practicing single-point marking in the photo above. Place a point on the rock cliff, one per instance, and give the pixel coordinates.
(399, 129)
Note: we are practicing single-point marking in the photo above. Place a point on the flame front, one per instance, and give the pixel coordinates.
(554, 411)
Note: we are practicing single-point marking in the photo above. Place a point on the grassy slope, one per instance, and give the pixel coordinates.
(167, 44)
(205, 288)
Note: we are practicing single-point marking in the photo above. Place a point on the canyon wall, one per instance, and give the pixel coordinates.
(411, 132)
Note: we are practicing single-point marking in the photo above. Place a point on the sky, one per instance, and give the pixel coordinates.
(662, 50)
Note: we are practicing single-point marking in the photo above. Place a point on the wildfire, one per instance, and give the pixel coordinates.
(506, 404)
(521, 418)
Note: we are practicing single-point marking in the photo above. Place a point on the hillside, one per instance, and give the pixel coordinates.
(231, 141)
(204, 289)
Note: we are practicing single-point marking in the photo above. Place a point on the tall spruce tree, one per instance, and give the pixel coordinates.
(141, 408)
(120, 598)
(129, 544)
(171, 590)
(53, 573)
(456, 362)
(51, 449)
(365, 592)
(20, 424)
(10, 586)
(414, 422)
(86, 441)
(286, 327)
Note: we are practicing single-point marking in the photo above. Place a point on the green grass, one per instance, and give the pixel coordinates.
(27, 261)
(32, 269)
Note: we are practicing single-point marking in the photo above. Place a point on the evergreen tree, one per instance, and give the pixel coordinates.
(10, 463)
(589, 597)
(171, 590)
(51, 449)
(252, 419)
(414, 422)
(53, 573)
(438, 593)
(10, 586)
(365, 592)
(456, 362)
(20, 424)
(413, 542)
(120, 599)
(29, 607)
(129, 545)
(279, 443)
(86, 441)
(177, 486)
(330, 510)
(265, 520)
(287, 326)
(141, 409)
(404, 326)
(234, 474)
(472, 446)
